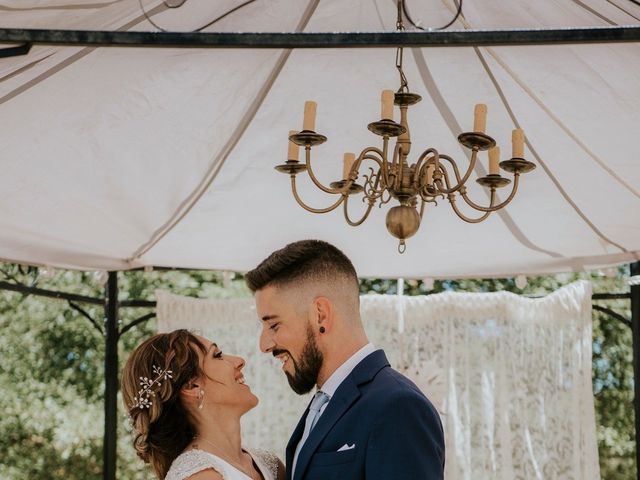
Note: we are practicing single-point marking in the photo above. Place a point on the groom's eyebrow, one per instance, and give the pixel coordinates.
(269, 317)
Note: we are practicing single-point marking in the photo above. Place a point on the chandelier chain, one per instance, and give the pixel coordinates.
(404, 84)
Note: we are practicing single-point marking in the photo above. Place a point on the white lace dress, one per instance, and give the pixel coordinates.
(194, 461)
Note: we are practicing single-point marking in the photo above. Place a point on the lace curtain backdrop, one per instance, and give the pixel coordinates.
(511, 376)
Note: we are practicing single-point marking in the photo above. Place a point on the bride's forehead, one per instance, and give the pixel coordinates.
(208, 344)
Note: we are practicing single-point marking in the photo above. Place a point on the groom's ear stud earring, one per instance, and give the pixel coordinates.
(322, 330)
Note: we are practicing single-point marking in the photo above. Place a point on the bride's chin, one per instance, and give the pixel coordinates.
(251, 402)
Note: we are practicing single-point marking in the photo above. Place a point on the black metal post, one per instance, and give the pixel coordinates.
(635, 328)
(445, 38)
(111, 379)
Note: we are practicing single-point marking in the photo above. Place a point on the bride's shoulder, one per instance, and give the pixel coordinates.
(195, 464)
(269, 459)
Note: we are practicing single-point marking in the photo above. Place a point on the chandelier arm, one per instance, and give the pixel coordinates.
(368, 154)
(311, 209)
(393, 179)
(419, 164)
(493, 208)
(364, 217)
(334, 191)
(375, 189)
(371, 192)
(428, 196)
(438, 182)
(452, 201)
(384, 164)
(371, 189)
(456, 172)
(422, 205)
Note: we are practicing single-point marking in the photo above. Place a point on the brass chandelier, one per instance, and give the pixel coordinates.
(432, 176)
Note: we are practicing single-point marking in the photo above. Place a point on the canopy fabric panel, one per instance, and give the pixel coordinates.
(116, 158)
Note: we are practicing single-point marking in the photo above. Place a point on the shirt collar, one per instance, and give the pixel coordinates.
(335, 380)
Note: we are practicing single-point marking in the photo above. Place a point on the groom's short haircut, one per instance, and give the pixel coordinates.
(298, 262)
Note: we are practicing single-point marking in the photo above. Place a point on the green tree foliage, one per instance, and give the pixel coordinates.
(52, 371)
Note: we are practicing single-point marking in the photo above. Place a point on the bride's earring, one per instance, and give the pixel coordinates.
(200, 398)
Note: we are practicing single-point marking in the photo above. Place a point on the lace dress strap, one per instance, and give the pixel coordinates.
(191, 462)
(268, 459)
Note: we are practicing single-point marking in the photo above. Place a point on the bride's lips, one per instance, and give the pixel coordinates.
(240, 380)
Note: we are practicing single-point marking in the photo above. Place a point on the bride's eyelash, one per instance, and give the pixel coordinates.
(218, 354)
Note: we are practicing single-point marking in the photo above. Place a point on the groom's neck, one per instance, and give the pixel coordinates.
(336, 355)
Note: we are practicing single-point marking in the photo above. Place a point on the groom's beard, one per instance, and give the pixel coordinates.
(306, 370)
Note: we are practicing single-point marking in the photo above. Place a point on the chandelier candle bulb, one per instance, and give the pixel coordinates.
(430, 169)
(349, 159)
(309, 122)
(387, 104)
(517, 140)
(292, 154)
(480, 118)
(494, 161)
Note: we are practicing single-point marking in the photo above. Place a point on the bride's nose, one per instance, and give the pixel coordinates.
(239, 363)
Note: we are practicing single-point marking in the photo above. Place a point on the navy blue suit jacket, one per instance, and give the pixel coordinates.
(396, 430)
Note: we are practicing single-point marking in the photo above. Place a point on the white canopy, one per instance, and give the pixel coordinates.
(115, 158)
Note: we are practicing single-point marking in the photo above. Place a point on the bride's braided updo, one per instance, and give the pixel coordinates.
(151, 382)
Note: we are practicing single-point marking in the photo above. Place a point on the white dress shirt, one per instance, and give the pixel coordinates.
(331, 385)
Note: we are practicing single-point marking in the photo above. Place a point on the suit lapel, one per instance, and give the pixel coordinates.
(340, 403)
(346, 394)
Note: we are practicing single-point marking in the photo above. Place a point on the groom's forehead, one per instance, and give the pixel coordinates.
(274, 301)
(267, 302)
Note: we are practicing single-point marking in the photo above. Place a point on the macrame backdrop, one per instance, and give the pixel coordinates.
(511, 376)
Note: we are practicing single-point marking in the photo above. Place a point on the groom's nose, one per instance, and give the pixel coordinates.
(266, 342)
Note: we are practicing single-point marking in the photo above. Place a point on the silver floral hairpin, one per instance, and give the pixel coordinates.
(143, 400)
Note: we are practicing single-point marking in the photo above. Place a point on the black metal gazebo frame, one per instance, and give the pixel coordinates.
(112, 333)
(25, 38)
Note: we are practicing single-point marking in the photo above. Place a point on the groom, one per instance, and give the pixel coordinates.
(366, 420)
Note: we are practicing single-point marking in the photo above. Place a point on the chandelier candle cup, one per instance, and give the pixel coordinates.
(387, 104)
(292, 166)
(494, 161)
(517, 164)
(309, 122)
(480, 118)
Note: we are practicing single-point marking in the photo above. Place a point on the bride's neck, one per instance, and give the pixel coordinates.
(220, 433)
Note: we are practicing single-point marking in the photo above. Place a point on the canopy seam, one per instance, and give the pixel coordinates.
(450, 120)
(72, 59)
(23, 69)
(189, 202)
(623, 10)
(521, 84)
(73, 6)
(546, 169)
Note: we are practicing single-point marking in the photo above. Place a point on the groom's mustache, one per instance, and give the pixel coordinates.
(280, 352)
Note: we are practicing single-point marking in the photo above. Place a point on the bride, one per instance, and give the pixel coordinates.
(185, 398)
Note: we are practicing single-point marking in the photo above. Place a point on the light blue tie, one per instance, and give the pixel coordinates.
(319, 399)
